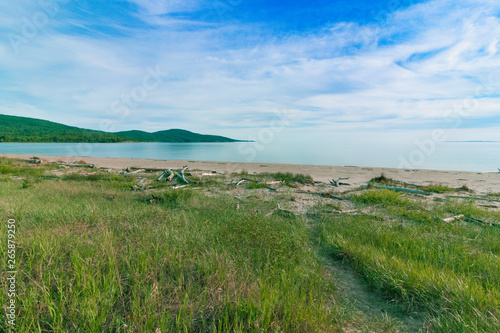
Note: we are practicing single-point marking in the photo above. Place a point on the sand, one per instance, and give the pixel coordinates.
(479, 182)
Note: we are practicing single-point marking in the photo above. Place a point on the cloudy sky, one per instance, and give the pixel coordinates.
(229, 67)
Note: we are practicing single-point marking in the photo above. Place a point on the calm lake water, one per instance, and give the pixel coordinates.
(460, 156)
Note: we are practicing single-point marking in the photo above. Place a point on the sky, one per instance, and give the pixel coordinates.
(316, 70)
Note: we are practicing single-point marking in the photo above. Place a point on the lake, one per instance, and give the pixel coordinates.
(460, 156)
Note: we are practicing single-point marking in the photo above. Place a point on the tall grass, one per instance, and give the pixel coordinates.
(93, 258)
(451, 271)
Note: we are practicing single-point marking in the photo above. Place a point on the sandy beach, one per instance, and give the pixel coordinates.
(479, 182)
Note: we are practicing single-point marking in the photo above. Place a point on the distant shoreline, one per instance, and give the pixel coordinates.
(480, 182)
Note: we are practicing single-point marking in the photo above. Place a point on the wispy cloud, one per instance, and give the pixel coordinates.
(403, 70)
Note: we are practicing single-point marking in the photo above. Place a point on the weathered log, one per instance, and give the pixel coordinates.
(478, 221)
(278, 209)
(182, 177)
(247, 180)
(337, 182)
(170, 176)
(474, 198)
(453, 218)
(145, 169)
(78, 165)
(323, 194)
(399, 189)
(136, 171)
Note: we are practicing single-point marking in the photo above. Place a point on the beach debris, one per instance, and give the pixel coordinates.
(473, 198)
(139, 185)
(478, 221)
(129, 169)
(213, 173)
(284, 212)
(323, 194)
(34, 160)
(167, 175)
(78, 165)
(135, 172)
(337, 182)
(399, 189)
(247, 180)
(182, 177)
(453, 218)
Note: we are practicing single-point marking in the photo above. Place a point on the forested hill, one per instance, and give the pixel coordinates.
(22, 129)
(173, 135)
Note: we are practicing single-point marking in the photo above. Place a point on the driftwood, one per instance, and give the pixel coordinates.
(453, 218)
(323, 194)
(136, 171)
(337, 182)
(278, 209)
(478, 221)
(474, 198)
(414, 185)
(274, 182)
(246, 180)
(168, 175)
(78, 165)
(145, 169)
(182, 177)
(399, 189)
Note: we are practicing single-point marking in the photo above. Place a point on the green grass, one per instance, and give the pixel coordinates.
(94, 259)
(95, 256)
(289, 178)
(449, 271)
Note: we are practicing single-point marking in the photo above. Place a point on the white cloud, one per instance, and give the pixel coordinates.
(387, 80)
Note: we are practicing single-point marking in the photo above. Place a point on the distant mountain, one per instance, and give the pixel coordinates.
(172, 135)
(22, 129)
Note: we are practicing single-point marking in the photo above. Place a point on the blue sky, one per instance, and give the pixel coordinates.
(334, 69)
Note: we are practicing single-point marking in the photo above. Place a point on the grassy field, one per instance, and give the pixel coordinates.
(97, 253)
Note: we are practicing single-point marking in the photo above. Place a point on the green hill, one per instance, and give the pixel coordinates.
(22, 129)
(173, 135)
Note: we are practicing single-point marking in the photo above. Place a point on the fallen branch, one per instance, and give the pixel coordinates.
(278, 209)
(136, 171)
(478, 221)
(78, 165)
(182, 177)
(474, 198)
(164, 174)
(399, 189)
(414, 185)
(145, 169)
(337, 182)
(323, 194)
(247, 180)
(450, 219)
